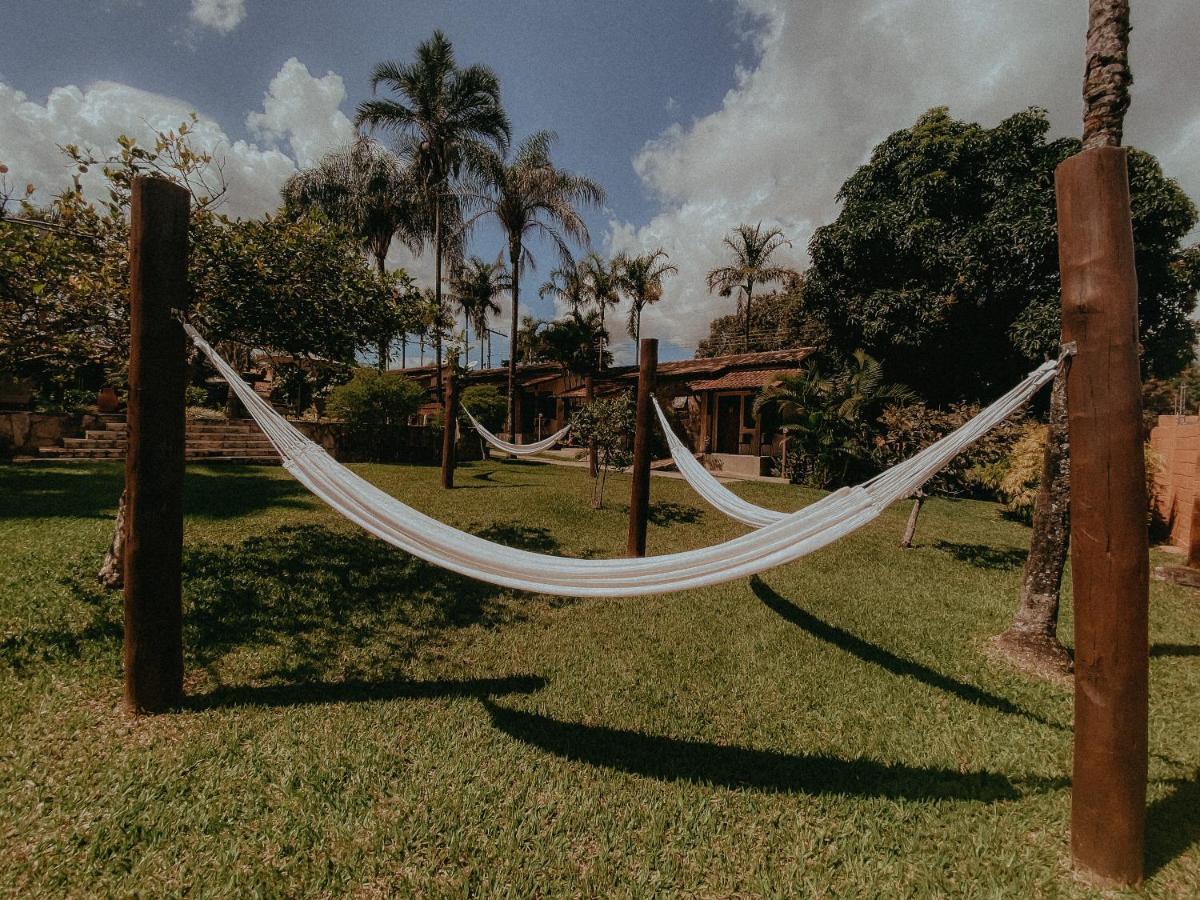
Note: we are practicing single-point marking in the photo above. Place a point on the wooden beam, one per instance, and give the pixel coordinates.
(449, 426)
(1109, 549)
(154, 460)
(639, 500)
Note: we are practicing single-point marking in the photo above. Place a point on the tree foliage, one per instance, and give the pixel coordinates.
(607, 423)
(371, 397)
(943, 262)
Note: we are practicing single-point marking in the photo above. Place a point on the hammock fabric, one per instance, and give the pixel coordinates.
(516, 449)
(726, 501)
(788, 539)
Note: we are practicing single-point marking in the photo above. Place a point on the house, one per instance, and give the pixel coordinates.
(710, 401)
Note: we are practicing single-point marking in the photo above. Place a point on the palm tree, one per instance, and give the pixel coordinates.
(528, 195)
(752, 250)
(444, 118)
(566, 283)
(641, 278)
(367, 189)
(602, 285)
(475, 289)
(572, 341)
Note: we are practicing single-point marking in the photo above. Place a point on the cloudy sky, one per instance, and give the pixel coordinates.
(694, 114)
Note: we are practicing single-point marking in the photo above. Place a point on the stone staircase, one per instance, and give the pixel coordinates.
(208, 440)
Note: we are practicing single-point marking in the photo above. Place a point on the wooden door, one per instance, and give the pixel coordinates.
(729, 423)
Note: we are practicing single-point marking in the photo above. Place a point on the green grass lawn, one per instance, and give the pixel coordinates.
(360, 722)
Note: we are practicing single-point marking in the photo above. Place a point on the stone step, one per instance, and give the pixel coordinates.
(239, 425)
(221, 455)
(246, 443)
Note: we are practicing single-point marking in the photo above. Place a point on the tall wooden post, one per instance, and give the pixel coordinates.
(154, 460)
(590, 395)
(1109, 551)
(450, 427)
(639, 499)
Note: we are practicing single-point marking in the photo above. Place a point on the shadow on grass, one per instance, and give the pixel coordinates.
(981, 556)
(323, 692)
(885, 659)
(675, 759)
(1173, 824)
(664, 512)
(1175, 650)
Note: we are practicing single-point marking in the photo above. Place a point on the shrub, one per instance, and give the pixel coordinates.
(374, 398)
(608, 423)
(486, 404)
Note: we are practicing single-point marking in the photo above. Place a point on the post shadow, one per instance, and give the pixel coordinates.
(1173, 824)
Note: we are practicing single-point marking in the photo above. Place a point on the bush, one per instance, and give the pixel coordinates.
(486, 404)
(372, 398)
(194, 395)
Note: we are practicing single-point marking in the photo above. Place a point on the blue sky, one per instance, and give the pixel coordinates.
(693, 114)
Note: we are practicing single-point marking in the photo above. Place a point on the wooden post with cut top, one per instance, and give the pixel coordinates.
(1109, 548)
(449, 427)
(639, 499)
(154, 459)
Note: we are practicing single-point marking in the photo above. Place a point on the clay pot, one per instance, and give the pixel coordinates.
(107, 400)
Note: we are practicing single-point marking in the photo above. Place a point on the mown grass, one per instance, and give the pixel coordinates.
(359, 722)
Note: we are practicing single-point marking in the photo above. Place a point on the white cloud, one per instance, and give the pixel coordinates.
(30, 133)
(833, 79)
(220, 15)
(304, 110)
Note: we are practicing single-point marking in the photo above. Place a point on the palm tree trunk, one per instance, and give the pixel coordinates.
(437, 293)
(385, 339)
(404, 351)
(749, 294)
(637, 335)
(1031, 641)
(1107, 76)
(514, 258)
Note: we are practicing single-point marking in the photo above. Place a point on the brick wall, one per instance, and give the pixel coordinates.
(1177, 441)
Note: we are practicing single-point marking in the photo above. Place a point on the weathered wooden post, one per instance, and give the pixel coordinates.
(639, 499)
(449, 427)
(1109, 551)
(590, 395)
(154, 460)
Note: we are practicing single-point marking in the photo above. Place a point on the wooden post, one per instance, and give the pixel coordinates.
(1109, 552)
(450, 427)
(639, 499)
(154, 460)
(590, 395)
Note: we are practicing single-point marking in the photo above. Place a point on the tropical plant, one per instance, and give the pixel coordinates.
(444, 118)
(366, 189)
(640, 278)
(474, 289)
(829, 416)
(607, 425)
(528, 196)
(752, 249)
(566, 283)
(529, 342)
(576, 341)
(602, 287)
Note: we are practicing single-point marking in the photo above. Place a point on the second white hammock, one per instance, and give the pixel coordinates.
(516, 449)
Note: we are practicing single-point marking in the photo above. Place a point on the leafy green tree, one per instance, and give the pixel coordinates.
(445, 118)
(526, 196)
(487, 404)
(475, 288)
(606, 424)
(752, 249)
(943, 262)
(577, 342)
(779, 322)
(829, 416)
(372, 397)
(640, 278)
(367, 190)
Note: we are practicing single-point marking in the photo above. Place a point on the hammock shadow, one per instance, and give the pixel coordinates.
(317, 603)
(885, 659)
(1173, 824)
(981, 556)
(1175, 650)
(720, 765)
(356, 691)
(664, 512)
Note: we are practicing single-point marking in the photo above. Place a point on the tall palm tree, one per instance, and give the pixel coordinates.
(641, 279)
(527, 195)
(602, 284)
(752, 249)
(367, 189)
(475, 289)
(566, 283)
(444, 117)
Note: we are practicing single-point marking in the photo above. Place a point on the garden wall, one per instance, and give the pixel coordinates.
(1177, 440)
(22, 433)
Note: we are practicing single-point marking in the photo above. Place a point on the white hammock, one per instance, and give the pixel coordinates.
(516, 449)
(788, 539)
(726, 501)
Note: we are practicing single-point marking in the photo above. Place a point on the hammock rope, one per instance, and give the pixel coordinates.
(787, 539)
(516, 449)
(702, 481)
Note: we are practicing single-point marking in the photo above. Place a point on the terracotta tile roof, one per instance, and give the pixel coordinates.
(755, 378)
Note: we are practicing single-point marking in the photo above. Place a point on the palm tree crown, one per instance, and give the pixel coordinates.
(527, 195)
(641, 279)
(444, 118)
(752, 250)
(475, 288)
